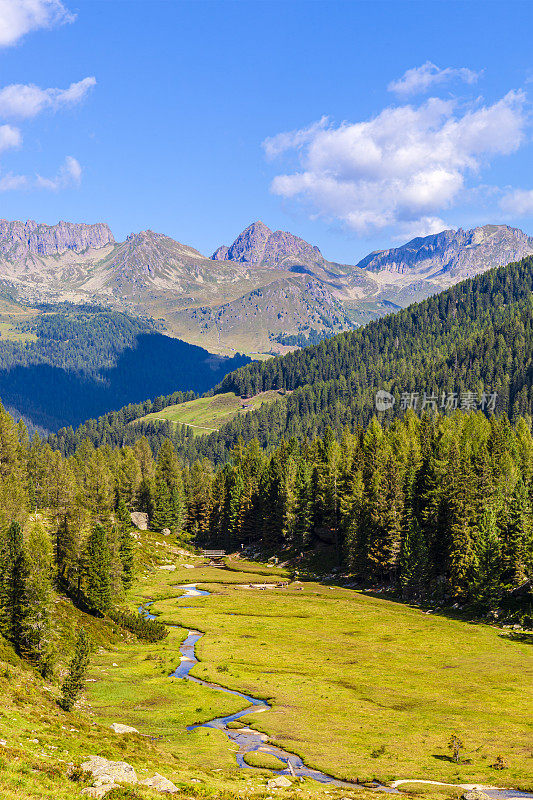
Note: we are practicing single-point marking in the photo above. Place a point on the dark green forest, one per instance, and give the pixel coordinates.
(476, 337)
(434, 504)
(436, 508)
(86, 361)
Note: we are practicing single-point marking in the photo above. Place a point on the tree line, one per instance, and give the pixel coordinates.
(432, 505)
(475, 338)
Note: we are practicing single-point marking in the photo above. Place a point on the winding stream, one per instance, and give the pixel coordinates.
(249, 740)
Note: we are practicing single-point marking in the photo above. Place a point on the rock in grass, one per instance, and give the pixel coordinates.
(160, 784)
(475, 794)
(279, 783)
(118, 728)
(109, 772)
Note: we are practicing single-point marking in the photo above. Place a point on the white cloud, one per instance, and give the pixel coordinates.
(420, 79)
(27, 100)
(401, 169)
(275, 145)
(69, 174)
(9, 137)
(518, 202)
(10, 182)
(19, 17)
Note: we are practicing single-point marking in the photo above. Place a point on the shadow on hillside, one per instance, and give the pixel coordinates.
(158, 365)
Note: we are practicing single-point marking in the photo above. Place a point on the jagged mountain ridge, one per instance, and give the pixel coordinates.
(460, 254)
(228, 301)
(19, 239)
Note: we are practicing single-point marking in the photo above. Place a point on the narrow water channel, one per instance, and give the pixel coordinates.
(249, 740)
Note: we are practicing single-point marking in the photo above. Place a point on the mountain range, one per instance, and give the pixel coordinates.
(258, 295)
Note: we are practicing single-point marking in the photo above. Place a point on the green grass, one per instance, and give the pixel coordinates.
(9, 332)
(263, 760)
(364, 687)
(207, 414)
(360, 687)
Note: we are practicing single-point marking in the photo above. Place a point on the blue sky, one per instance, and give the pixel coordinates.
(354, 125)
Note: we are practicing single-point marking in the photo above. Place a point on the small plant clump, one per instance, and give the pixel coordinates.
(500, 763)
(455, 745)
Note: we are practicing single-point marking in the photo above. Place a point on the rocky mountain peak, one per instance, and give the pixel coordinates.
(459, 254)
(20, 239)
(249, 246)
(258, 244)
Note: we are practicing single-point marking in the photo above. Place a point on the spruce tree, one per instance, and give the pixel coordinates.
(75, 680)
(97, 564)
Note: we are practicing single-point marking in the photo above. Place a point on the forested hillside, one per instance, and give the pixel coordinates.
(79, 362)
(476, 337)
(438, 505)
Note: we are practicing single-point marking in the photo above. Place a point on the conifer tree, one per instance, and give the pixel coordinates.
(169, 496)
(11, 549)
(75, 680)
(97, 577)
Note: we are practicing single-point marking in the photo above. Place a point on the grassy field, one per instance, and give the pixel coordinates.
(361, 687)
(207, 414)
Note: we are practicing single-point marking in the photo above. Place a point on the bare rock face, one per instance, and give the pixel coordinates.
(259, 245)
(221, 253)
(459, 254)
(19, 239)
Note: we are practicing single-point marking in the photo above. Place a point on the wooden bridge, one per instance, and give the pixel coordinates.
(214, 555)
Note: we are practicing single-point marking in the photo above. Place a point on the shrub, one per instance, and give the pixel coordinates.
(149, 630)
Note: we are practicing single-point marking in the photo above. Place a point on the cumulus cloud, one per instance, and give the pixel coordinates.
(420, 79)
(518, 202)
(401, 169)
(27, 100)
(19, 17)
(9, 137)
(69, 174)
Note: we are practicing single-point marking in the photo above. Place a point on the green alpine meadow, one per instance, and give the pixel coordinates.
(266, 400)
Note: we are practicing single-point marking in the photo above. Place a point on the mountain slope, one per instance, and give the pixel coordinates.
(228, 302)
(292, 305)
(475, 337)
(457, 254)
(81, 362)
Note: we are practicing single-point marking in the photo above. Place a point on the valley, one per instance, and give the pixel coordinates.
(376, 697)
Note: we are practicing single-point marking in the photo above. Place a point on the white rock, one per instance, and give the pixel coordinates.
(140, 520)
(170, 567)
(160, 784)
(281, 782)
(104, 770)
(118, 728)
